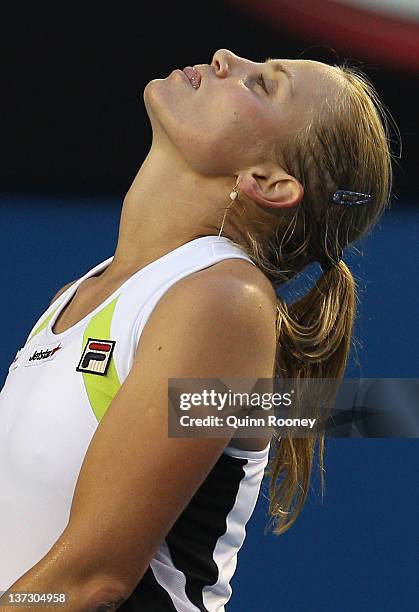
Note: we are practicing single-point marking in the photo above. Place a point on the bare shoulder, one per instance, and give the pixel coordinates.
(241, 270)
(237, 280)
(217, 322)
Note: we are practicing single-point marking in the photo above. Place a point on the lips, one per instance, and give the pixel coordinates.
(193, 76)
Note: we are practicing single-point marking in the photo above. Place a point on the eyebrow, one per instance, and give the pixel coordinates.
(279, 67)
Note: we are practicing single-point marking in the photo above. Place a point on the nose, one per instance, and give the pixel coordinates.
(223, 61)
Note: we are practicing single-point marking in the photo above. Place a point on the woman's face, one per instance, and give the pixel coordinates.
(239, 111)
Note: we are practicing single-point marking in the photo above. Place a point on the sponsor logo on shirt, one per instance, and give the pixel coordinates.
(96, 356)
(42, 353)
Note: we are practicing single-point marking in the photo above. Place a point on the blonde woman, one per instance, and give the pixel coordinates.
(256, 170)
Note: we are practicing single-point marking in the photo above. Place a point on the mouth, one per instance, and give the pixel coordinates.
(193, 76)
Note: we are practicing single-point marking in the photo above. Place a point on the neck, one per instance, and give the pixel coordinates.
(166, 206)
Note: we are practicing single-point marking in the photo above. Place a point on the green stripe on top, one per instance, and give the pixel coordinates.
(101, 389)
(41, 326)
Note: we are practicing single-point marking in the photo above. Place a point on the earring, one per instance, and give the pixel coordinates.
(233, 196)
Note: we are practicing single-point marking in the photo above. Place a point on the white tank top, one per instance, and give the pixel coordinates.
(58, 388)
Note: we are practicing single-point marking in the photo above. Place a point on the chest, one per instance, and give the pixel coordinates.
(88, 296)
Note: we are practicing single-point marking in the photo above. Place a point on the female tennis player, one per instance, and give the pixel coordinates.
(256, 170)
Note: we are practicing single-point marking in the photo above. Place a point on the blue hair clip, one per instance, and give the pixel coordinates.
(351, 198)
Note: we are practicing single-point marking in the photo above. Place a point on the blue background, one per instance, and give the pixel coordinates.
(356, 550)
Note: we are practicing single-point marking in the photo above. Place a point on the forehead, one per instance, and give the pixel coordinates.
(310, 66)
(311, 71)
(314, 82)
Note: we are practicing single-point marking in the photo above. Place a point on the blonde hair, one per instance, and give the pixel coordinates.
(347, 145)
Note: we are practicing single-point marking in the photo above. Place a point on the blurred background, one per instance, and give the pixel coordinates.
(74, 133)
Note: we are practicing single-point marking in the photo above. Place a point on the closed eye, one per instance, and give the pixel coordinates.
(261, 81)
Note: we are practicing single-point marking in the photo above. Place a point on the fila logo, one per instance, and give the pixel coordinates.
(96, 356)
(42, 353)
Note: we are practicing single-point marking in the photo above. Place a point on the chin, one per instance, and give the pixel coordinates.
(153, 94)
(148, 90)
(150, 97)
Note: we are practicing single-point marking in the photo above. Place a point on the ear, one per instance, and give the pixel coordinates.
(271, 188)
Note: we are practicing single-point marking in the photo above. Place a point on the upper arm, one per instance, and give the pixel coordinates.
(61, 291)
(135, 480)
